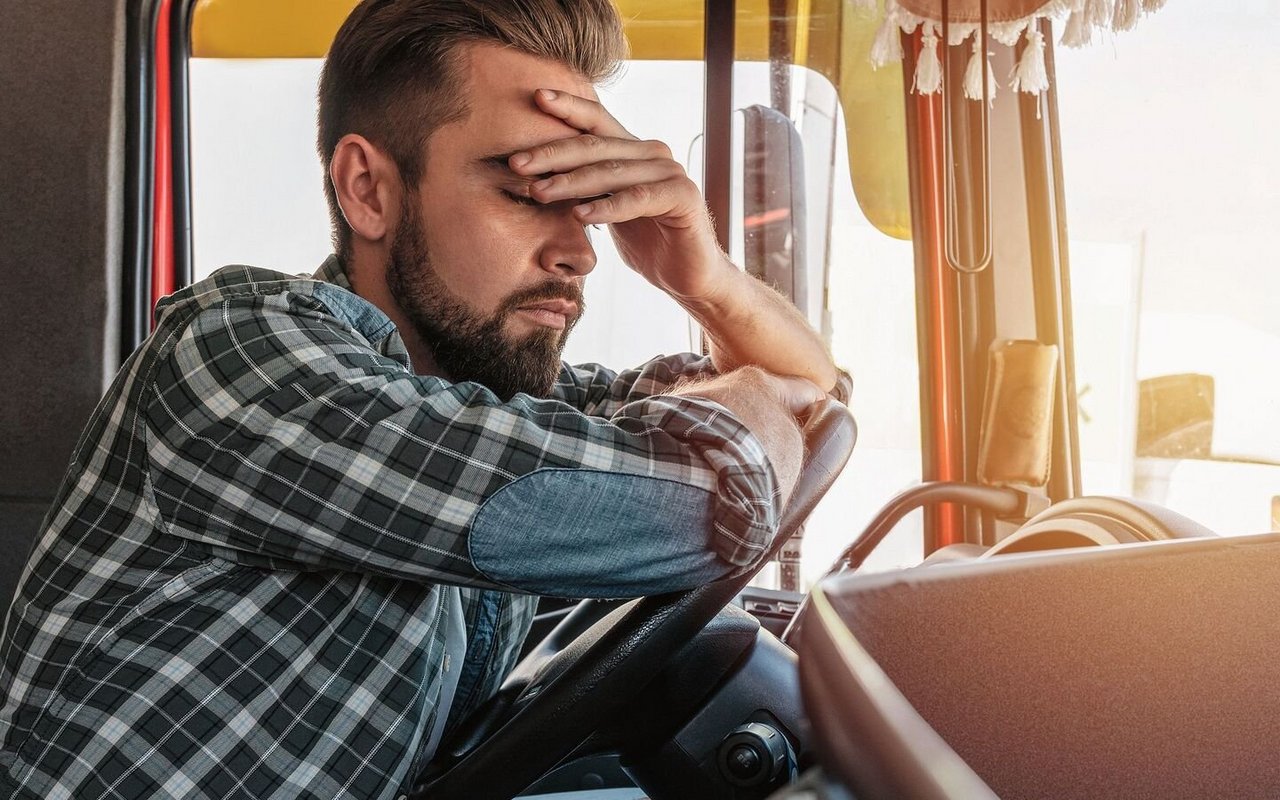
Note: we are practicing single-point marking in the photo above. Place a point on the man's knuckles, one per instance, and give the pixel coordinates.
(658, 150)
(795, 394)
(554, 154)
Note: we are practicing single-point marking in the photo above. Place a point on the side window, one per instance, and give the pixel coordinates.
(257, 189)
(862, 295)
(1171, 204)
(872, 305)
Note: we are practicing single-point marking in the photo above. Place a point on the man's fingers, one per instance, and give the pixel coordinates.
(670, 198)
(580, 112)
(563, 155)
(605, 177)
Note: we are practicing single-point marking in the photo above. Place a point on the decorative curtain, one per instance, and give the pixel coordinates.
(1008, 21)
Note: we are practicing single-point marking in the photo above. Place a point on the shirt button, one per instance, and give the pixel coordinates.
(446, 662)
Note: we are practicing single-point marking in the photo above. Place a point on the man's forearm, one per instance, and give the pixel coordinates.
(768, 406)
(750, 324)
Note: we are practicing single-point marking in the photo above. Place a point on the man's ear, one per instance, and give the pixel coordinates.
(367, 184)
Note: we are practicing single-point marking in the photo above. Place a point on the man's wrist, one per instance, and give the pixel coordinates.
(717, 303)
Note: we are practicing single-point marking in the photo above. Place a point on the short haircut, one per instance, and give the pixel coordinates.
(392, 74)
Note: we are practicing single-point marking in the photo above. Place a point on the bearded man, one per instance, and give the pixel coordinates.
(305, 530)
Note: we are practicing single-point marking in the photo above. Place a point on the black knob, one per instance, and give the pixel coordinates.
(753, 754)
(743, 762)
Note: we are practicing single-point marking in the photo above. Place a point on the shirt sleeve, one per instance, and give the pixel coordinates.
(599, 391)
(276, 432)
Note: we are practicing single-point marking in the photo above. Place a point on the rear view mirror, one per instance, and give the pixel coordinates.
(773, 203)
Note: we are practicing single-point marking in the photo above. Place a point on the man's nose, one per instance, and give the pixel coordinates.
(569, 251)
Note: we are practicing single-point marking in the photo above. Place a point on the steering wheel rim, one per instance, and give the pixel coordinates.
(601, 670)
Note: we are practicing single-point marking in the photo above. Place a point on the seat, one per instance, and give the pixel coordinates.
(61, 246)
(19, 524)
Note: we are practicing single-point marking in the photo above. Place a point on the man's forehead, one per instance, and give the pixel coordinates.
(499, 87)
(490, 69)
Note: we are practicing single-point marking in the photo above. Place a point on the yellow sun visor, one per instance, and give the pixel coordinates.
(832, 37)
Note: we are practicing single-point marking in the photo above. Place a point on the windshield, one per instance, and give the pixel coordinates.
(1170, 167)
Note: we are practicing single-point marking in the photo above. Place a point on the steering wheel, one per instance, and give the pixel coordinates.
(560, 698)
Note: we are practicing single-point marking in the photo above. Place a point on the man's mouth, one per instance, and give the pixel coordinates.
(553, 313)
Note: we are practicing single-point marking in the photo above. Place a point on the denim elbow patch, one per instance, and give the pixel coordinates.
(586, 533)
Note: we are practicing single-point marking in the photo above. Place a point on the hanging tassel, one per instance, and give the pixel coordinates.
(1079, 32)
(1100, 12)
(1030, 75)
(1126, 16)
(1152, 5)
(973, 74)
(887, 46)
(928, 79)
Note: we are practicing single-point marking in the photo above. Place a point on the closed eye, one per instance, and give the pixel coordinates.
(521, 199)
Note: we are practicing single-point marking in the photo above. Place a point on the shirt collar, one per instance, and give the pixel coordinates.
(332, 271)
(334, 290)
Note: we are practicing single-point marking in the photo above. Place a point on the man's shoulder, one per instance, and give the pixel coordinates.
(253, 289)
(230, 283)
(234, 281)
(249, 325)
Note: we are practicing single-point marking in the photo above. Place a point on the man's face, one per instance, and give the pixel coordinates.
(490, 279)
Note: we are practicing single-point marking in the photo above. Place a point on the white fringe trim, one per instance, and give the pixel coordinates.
(1126, 16)
(959, 32)
(1099, 12)
(1078, 32)
(1078, 20)
(1007, 33)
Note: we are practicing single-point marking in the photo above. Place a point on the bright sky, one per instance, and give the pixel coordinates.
(1171, 169)
(1170, 131)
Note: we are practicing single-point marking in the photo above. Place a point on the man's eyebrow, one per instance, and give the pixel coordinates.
(501, 161)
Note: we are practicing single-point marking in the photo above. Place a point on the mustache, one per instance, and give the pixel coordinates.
(551, 290)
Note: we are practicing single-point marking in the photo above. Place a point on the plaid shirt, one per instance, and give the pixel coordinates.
(277, 559)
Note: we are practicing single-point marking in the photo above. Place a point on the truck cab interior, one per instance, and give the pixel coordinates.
(1048, 566)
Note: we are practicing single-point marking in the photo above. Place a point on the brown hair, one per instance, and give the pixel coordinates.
(392, 72)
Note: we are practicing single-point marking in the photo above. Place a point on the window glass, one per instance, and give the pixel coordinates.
(258, 199)
(1171, 176)
(867, 280)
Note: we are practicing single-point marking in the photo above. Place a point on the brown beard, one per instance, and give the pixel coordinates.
(467, 345)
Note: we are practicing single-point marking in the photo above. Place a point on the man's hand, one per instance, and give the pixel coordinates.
(768, 405)
(663, 231)
(654, 211)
